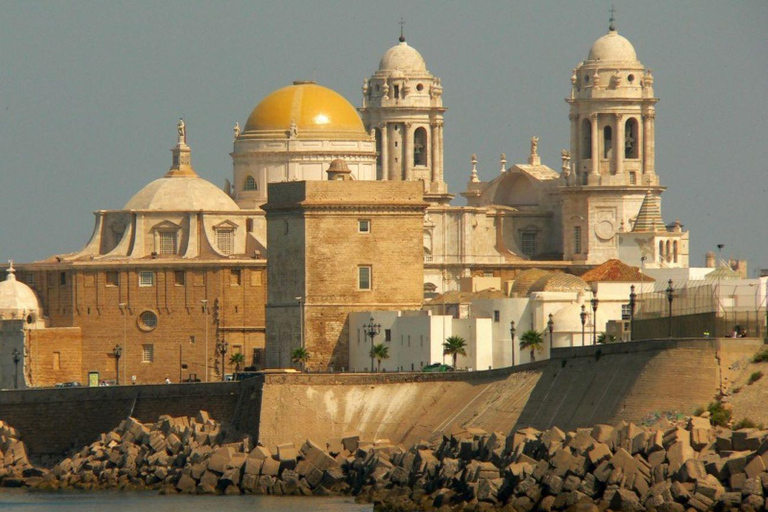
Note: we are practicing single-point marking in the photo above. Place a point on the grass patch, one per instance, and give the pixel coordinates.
(756, 376)
(745, 423)
(718, 414)
(760, 357)
(736, 390)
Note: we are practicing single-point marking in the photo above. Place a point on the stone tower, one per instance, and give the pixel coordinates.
(612, 111)
(403, 107)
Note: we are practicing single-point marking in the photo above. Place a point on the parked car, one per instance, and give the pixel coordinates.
(73, 384)
(437, 368)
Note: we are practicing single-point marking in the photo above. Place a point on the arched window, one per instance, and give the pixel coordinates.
(630, 138)
(674, 251)
(607, 142)
(667, 252)
(420, 146)
(250, 184)
(377, 134)
(586, 139)
(661, 251)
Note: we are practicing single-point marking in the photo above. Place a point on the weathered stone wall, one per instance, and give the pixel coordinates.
(54, 355)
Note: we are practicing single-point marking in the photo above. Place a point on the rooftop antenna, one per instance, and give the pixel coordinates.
(402, 35)
(612, 19)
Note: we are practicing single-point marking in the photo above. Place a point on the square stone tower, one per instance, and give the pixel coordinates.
(336, 247)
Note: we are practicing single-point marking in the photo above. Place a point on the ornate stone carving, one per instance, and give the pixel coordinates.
(534, 145)
(182, 128)
(236, 129)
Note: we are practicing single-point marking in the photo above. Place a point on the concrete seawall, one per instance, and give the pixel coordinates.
(576, 387)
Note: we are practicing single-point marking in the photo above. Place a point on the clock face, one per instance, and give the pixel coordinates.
(605, 230)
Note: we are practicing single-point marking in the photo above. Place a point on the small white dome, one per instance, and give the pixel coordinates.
(613, 47)
(16, 299)
(404, 58)
(177, 193)
(568, 318)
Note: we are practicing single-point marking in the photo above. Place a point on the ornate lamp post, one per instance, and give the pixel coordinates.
(372, 329)
(512, 331)
(222, 347)
(670, 298)
(583, 316)
(16, 361)
(595, 302)
(550, 326)
(117, 351)
(632, 302)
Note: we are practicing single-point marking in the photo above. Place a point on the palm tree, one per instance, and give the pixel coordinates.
(455, 346)
(533, 340)
(237, 359)
(379, 352)
(301, 356)
(605, 338)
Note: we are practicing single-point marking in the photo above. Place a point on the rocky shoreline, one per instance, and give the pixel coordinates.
(671, 467)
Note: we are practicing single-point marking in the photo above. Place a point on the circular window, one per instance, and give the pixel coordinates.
(147, 320)
(420, 87)
(631, 78)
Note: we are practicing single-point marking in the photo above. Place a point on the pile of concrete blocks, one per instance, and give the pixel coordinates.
(671, 467)
(15, 468)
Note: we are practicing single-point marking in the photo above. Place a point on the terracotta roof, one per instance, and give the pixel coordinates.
(525, 279)
(558, 282)
(649, 216)
(615, 271)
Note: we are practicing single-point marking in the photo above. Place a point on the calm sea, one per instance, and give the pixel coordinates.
(130, 502)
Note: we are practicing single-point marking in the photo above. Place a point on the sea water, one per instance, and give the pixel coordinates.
(104, 501)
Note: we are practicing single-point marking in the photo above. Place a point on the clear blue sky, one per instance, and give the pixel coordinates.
(90, 93)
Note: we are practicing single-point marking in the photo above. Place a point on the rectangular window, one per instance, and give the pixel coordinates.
(249, 225)
(57, 360)
(496, 315)
(147, 353)
(363, 226)
(167, 242)
(30, 280)
(179, 278)
(633, 178)
(529, 244)
(63, 278)
(113, 278)
(577, 239)
(234, 277)
(225, 241)
(257, 356)
(146, 278)
(364, 278)
(625, 312)
(387, 334)
(487, 274)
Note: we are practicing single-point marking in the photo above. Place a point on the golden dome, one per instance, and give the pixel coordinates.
(305, 110)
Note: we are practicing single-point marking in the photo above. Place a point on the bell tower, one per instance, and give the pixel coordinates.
(403, 108)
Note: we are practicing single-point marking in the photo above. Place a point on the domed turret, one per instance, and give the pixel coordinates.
(403, 57)
(613, 48)
(17, 300)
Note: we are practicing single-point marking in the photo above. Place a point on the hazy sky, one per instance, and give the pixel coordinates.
(90, 93)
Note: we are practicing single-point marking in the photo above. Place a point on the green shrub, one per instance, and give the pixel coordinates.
(736, 390)
(760, 357)
(718, 414)
(698, 411)
(756, 376)
(744, 423)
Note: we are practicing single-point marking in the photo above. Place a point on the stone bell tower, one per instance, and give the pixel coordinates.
(403, 107)
(612, 164)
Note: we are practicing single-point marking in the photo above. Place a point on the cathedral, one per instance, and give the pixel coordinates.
(174, 284)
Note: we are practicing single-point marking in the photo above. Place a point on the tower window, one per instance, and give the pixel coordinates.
(674, 251)
(146, 278)
(113, 278)
(364, 278)
(420, 87)
(167, 242)
(364, 226)
(249, 225)
(577, 239)
(420, 146)
(661, 251)
(235, 277)
(528, 243)
(630, 138)
(179, 277)
(586, 137)
(250, 184)
(225, 240)
(633, 178)
(397, 91)
(63, 278)
(607, 142)
(147, 353)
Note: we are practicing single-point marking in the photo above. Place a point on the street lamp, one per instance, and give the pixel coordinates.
(632, 301)
(301, 319)
(117, 351)
(512, 331)
(222, 347)
(670, 298)
(550, 326)
(583, 316)
(205, 320)
(595, 302)
(16, 361)
(371, 329)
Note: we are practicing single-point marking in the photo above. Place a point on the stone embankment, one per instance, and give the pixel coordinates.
(682, 466)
